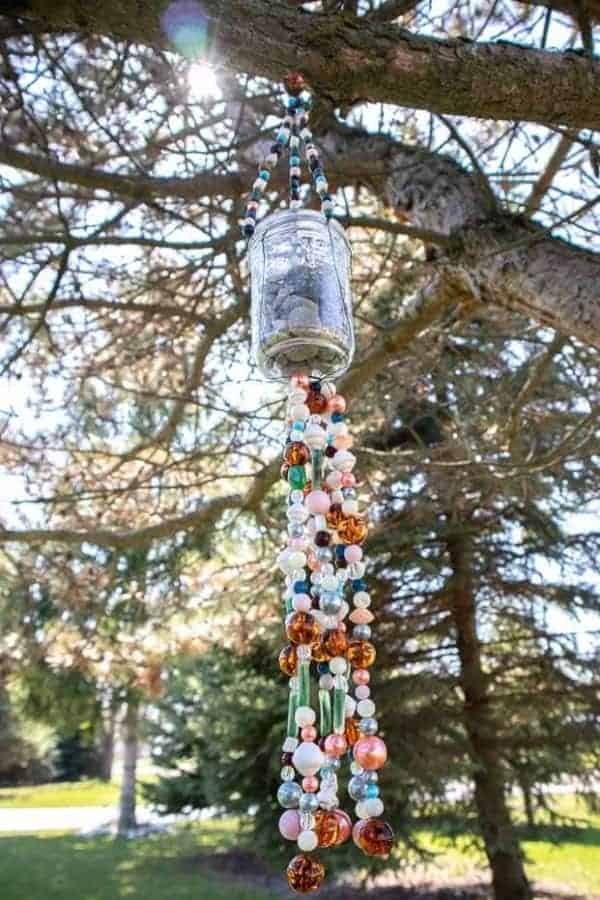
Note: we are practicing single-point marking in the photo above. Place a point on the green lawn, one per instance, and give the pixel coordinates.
(76, 793)
(66, 867)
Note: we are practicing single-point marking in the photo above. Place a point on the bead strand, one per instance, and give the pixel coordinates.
(322, 561)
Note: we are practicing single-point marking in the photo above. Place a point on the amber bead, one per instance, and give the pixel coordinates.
(297, 453)
(352, 529)
(335, 515)
(330, 451)
(294, 83)
(316, 402)
(320, 652)
(288, 660)
(361, 654)
(351, 731)
(305, 874)
(327, 827)
(307, 488)
(302, 628)
(335, 642)
(287, 759)
(374, 837)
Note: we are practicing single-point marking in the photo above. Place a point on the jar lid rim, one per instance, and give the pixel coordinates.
(283, 215)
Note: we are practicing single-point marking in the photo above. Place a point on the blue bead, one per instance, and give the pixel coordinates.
(301, 587)
(264, 174)
(339, 551)
(294, 160)
(248, 230)
(323, 668)
(318, 173)
(372, 791)
(337, 417)
(359, 584)
(298, 426)
(328, 213)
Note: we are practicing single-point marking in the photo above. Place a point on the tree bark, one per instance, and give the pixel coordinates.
(127, 800)
(501, 844)
(107, 744)
(349, 58)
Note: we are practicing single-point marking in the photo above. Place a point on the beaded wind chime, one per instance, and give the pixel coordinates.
(302, 330)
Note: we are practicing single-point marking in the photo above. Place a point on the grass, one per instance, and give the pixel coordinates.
(76, 793)
(66, 867)
(567, 855)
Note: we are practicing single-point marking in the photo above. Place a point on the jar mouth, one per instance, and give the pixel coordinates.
(274, 358)
(299, 216)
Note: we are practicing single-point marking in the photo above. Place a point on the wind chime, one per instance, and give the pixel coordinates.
(302, 330)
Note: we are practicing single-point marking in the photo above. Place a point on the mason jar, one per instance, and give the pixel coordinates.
(300, 266)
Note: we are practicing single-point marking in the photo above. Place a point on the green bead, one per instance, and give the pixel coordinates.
(292, 728)
(317, 469)
(304, 682)
(296, 477)
(324, 712)
(339, 710)
(289, 606)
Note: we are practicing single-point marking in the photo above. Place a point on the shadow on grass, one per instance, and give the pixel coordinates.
(558, 834)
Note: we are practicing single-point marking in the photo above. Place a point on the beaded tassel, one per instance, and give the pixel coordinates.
(293, 132)
(323, 563)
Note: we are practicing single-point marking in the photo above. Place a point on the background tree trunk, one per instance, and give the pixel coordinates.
(107, 743)
(501, 844)
(127, 802)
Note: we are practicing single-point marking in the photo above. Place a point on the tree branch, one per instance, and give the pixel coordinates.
(348, 59)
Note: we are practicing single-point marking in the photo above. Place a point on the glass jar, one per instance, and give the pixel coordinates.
(300, 266)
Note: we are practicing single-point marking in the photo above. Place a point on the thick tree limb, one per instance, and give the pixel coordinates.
(348, 58)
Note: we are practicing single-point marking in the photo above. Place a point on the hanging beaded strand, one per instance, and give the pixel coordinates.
(323, 560)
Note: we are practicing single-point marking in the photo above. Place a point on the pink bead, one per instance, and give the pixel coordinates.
(310, 784)
(343, 442)
(335, 745)
(348, 479)
(353, 553)
(298, 543)
(370, 753)
(345, 825)
(314, 564)
(361, 617)
(309, 733)
(299, 381)
(289, 825)
(302, 602)
(361, 676)
(341, 626)
(336, 404)
(318, 503)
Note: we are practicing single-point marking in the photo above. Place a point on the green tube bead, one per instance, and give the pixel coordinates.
(317, 469)
(304, 682)
(297, 477)
(324, 712)
(339, 710)
(292, 728)
(289, 606)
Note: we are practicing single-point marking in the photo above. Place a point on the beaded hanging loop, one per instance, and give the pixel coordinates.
(301, 319)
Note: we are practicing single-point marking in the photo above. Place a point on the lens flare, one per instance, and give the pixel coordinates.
(186, 25)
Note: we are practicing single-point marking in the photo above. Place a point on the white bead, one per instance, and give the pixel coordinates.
(360, 810)
(344, 610)
(299, 412)
(334, 480)
(307, 840)
(329, 583)
(297, 397)
(290, 744)
(336, 428)
(350, 507)
(328, 389)
(362, 691)
(373, 807)
(326, 682)
(297, 559)
(305, 716)
(366, 708)
(297, 512)
(320, 523)
(308, 758)
(337, 497)
(361, 599)
(357, 569)
(343, 461)
(327, 800)
(337, 665)
(350, 706)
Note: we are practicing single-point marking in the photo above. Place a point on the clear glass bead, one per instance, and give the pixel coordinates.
(288, 773)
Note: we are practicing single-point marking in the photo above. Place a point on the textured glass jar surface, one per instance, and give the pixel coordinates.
(301, 297)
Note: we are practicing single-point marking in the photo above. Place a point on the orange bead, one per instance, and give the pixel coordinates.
(360, 654)
(351, 731)
(288, 660)
(374, 837)
(361, 617)
(335, 515)
(297, 453)
(327, 827)
(320, 652)
(316, 402)
(352, 529)
(345, 823)
(335, 642)
(302, 628)
(305, 874)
